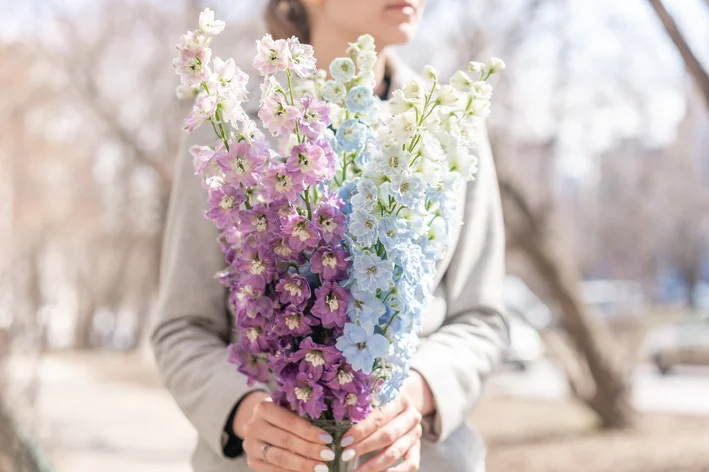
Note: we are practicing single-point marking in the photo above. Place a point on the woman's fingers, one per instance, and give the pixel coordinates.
(396, 451)
(290, 442)
(375, 421)
(279, 459)
(289, 421)
(389, 433)
(412, 460)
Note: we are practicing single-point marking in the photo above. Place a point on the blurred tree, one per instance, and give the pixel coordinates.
(691, 62)
(595, 369)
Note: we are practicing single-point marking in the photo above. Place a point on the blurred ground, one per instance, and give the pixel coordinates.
(109, 413)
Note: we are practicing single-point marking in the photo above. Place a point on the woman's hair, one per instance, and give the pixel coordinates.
(286, 18)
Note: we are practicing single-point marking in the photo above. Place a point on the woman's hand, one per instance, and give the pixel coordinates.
(395, 429)
(295, 444)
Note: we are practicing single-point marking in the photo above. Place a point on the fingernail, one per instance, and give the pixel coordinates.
(326, 438)
(348, 455)
(327, 454)
(321, 468)
(346, 441)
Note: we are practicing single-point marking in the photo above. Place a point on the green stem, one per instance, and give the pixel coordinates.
(306, 197)
(292, 103)
(393, 317)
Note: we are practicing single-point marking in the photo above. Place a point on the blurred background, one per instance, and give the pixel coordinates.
(600, 130)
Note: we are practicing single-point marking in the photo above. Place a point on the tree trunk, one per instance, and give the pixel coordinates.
(610, 395)
(694, 66)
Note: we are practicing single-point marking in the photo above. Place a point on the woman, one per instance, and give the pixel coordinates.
(464, 329)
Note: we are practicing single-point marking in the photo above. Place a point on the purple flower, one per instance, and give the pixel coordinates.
(314, 357)
(301, 233)
(256, 264)
(258, 220)
(306, 396)
(253, 339)
(292, 321)
(330, 263)
(344, 377)
(242, 164)
(224, 205)
(307, 161)
(253, 311)
(281, 248)
(314, 118)
(254, 367)
(329, 220)
(351, 405)
(281, 183)
(330, 305)
(293, 289)
(278, 116)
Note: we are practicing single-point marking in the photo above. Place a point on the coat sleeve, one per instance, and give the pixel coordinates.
(193, 328)
(455, 359)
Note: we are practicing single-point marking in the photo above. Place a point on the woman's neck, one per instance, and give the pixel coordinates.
(329, 45)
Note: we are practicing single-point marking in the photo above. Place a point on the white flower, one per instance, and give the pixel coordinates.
(447, 96)
(475, 67)
(184, 92)
(334, 91)
(229, 80)
(364, 226)
(414, 90)
(207, 23)
(430, 73)
(365, 79)
(399, 103)
(461, 80)
(366, 60)
(366, 42)
(392, 161)
(403, 127)
(495, 64)
(483, 90)
(342, 69)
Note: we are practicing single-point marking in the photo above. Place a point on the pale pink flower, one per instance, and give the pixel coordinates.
(302, 58)
(204, 108)
(273, 55)
(192, 66)
(278, 116)
(207, 23)
(228, 81)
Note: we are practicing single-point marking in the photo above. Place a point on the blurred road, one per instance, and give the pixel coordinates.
(109, 413)
(685, 390)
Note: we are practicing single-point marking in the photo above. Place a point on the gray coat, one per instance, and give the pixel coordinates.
(464, 327)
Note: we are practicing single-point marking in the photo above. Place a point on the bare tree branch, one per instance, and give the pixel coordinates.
(693, 65)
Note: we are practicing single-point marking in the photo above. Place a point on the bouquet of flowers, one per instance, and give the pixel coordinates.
(331, 235)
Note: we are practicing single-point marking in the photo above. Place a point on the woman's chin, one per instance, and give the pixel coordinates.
(401, 34)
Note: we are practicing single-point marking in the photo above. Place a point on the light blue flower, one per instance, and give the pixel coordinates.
(342, 69)
(393, 232)
(359, 99)
(371, 272)
(363, 225)
(367, 195)
(361, 346)
(410, 259)
(409, 189)
(334, 91)
(351, 135)
(367, 151)
(349, 187)
(364, 306)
